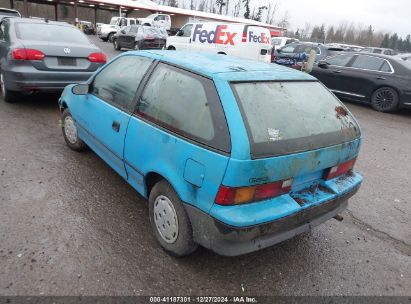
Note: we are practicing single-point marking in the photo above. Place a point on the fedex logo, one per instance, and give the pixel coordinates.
(219, 36)
(262, 38)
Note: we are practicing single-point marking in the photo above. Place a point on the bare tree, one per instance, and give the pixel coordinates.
(237, 8)
(285, 20)
(271, 12)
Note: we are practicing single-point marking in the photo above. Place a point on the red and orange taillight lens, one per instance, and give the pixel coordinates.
(241, 195)
(27, 54)
(340, 169)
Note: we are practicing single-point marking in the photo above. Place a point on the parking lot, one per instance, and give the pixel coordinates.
(69, 225)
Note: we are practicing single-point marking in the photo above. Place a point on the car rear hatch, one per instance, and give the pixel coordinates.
(60, 47)
(303, 146)
(63, 57)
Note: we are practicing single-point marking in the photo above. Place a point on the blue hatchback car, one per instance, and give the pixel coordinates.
(233, 155)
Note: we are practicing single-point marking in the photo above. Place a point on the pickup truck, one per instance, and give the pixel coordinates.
(106, 31)
(157, 20)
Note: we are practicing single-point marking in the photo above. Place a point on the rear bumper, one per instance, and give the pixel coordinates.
(231, 241)
(32, 80)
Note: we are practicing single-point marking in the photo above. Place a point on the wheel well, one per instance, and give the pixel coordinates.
(171, 48)
(151, 179)
(63, 106)
(221, 53)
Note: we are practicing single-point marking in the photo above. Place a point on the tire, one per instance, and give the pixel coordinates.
(7, 95)
(104, 39)
(166, 210)
(171, 48)
(70, 133)
(115, 44)
(110, 37)
(136, 46)
(385, 99)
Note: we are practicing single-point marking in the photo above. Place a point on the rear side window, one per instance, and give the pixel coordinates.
(117, 83)
(290, 117)
(186, 104)
(368, 63)
(386, 67)
(340, 60)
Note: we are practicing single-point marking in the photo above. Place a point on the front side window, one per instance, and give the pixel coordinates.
(186, 104)
(377, 51)
(186, 30)
(117, 83)
(340, 60)
(288, 49)
(368, 63)
(291, 117)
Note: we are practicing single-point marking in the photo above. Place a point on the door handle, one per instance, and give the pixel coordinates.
(116, 126)
(381, 78)
(337, 72)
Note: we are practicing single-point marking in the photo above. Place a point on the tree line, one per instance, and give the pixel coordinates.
(345, 32)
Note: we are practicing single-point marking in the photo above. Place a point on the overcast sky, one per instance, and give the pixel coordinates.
(387, 15)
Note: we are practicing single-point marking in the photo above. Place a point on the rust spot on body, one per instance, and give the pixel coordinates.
(341, 112)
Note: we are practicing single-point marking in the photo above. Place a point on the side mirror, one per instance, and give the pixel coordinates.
(323, 64)
(278, 50)
(80, 89)
(180, 33)
(123, 31)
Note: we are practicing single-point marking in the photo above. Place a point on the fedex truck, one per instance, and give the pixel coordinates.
(241, 40)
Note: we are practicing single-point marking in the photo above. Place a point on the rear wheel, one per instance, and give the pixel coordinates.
(70, 132)
(115, 44)
(385, 99)
(110, 37)
(8, 96)
(169, 220)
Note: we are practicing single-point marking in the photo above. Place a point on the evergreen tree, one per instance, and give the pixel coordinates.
(330, 34)
(247, 9)
(386, 41)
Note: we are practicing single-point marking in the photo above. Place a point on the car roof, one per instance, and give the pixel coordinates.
(38, 20)
(226, 67)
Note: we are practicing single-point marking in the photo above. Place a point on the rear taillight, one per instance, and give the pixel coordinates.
(97, 57)
(148, 37)
(241, 195)
(340, 169)
(27, 54)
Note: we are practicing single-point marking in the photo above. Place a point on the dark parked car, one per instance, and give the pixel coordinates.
(383, 51)
(39, 55)
(7, 13)
(294, 50)
(140, 37)
(384, 81)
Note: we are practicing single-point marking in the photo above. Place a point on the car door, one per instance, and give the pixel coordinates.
(130, 37)
(183, 38)
(121, 36)
(104, 114)
(367, 72)
(334, 74)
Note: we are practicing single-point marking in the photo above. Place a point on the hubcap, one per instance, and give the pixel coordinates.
(165, 219)
(384, 99)
(70, 129)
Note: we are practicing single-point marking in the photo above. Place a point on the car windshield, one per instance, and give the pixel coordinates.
(291, 117)
(9, 13)
(113, 21)
(50, 32)
(152, 16)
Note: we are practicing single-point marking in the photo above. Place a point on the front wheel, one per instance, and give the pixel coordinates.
(70, 133)
(385, 99)
(169, 221)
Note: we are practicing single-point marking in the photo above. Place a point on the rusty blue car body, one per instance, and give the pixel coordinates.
(287, 164)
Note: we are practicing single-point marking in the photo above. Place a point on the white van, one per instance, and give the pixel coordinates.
(241, 40)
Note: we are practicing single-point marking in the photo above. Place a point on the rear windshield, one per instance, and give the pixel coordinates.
(290, 117)
(50, 32)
